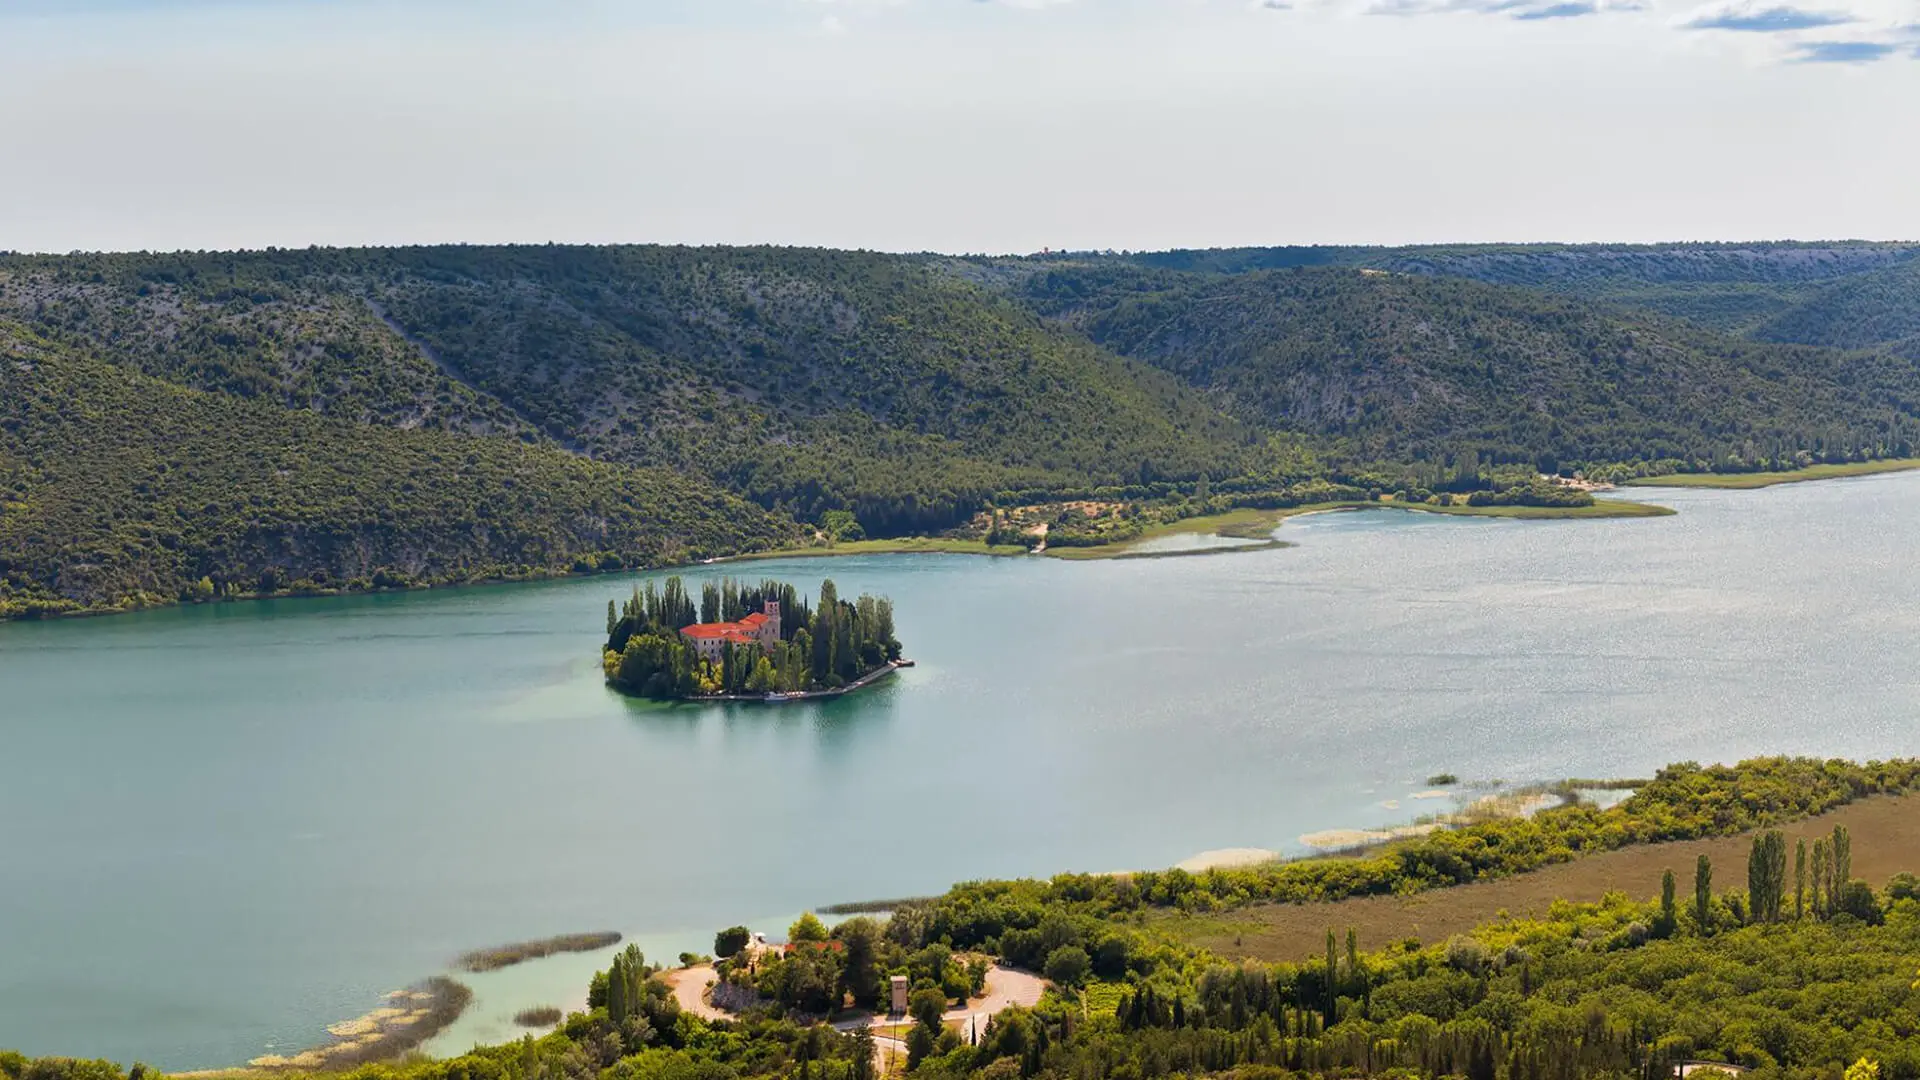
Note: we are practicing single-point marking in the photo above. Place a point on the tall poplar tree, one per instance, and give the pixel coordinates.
(1703, 895)
(1820, 871)
(1800, 879)
(1669, 918)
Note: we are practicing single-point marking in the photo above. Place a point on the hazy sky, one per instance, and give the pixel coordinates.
(956, 125)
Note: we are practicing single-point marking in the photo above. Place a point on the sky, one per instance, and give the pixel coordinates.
(954, 125)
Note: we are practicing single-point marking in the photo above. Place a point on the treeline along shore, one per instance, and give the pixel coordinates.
(1791, 965)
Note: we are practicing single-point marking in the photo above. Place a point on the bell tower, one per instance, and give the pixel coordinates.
(770, 630)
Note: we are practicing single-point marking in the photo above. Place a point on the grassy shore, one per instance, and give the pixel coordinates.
(1745, 481)
(1260, 524)
(1246, 524)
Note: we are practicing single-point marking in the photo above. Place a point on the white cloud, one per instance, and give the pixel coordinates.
(944, 124)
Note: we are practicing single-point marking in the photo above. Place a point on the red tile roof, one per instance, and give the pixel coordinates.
(744, 632)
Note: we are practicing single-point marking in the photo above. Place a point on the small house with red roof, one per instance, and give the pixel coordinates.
(761, 628)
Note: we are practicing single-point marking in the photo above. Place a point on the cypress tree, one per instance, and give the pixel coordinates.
(1669, 918)
(1703, 894)
(617, 1005)
(1766, 875)
(1800, 879)
(1333, 983)
(1842, 858)
(1820, 860)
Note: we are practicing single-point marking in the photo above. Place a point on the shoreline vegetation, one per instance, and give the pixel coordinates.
(1127, 980)
(480, 961)
(1250, 524)
(1733, 481)
(1111, 526)
(409, 1019)
(539, 1016)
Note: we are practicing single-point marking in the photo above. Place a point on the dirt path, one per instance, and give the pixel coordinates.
(1886, 841)
(690, 986)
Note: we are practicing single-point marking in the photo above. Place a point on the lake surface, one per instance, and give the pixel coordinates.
(223, 828)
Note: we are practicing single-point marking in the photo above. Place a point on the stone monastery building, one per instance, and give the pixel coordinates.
(711, 639)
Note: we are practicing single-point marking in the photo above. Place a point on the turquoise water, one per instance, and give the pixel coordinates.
(223, 828)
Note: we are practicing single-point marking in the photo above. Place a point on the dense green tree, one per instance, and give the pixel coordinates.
(927, 1005)
(1666, 922)
(729, 942)
(807, 927)
(1767, 875)
(1068, 965)
(860, 966)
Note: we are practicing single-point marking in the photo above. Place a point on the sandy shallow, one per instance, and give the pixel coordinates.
(1223, 858)
(1335, 839)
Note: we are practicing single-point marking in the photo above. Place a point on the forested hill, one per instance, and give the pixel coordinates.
(1404, 367)
(1734, 287)
(1571, 265)
(120, 489)
(808, 380)
(1858, 311)
(252, 421)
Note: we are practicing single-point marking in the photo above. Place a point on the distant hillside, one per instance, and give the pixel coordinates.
(1729, 287)
(1406, 367)
(119, 489)
(325, 418)
(1859, 311)
(807, 380)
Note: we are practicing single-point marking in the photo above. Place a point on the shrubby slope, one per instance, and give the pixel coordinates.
(117, 488)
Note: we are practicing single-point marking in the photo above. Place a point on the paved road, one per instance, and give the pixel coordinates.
(690, 990)
(1006, 987)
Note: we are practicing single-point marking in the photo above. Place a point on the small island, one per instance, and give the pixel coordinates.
(744, 642)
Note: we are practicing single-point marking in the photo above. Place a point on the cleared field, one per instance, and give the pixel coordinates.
(1768, 479)
(1886, 841)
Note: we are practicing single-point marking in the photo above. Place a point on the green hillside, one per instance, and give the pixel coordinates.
(335, 418)
(118, 489)
(1859, 311)
(1733, 288)
(1405, 367)
(808, 380)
